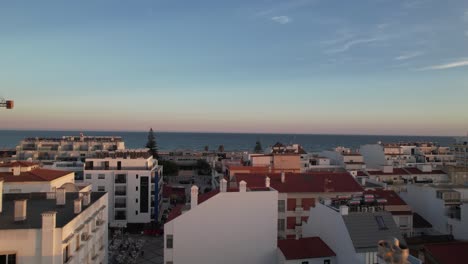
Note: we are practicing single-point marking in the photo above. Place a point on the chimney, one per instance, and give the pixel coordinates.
(242, 186)
(16, 171)
(61, 194)
(267, 182)
(48, 236)
(223, 186)
(283, 177)
(344, 210)
(193, 196)
(363, 181)
(86, 198)
(1, 195)
(77, 205)
(20, 210)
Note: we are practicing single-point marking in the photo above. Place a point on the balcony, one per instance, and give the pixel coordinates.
(120, 215)
(120, 205)
(120, 179)
(454, 213)
(120, 193)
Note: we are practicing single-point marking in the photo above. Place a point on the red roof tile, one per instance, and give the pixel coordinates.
(418, 171)
(303, 182)
(448, 253)
(34, 175)
(391, 196)
(175, 212)
(18, 163)
(305, 248)
(396, 171)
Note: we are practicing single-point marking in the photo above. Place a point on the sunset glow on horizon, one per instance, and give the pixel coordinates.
(375, 67)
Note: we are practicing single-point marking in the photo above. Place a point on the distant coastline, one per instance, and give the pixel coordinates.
(230, 141)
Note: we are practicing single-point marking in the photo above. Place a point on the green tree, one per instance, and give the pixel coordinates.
(152, 145)
(203, 167)
(258, 147)
(169, 168)
(221, 148)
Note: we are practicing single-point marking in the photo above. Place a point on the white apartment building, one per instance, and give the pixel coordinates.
(345, 158)
(66, 147)
(53, 228)
(26, 177)
(460, 149)
(76, 165)
(444, 206)
(224, 226)
(133, 181)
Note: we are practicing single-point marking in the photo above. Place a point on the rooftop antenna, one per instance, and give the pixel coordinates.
(8, 104)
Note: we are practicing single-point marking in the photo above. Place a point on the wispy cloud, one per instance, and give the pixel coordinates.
(409, 55)
(348, 45)
(281, 19)
(455, 64)
(285, 6)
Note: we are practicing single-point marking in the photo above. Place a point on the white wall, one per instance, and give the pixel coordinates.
(373, 155)
(424, 201)
(230, 227)
(332, 230)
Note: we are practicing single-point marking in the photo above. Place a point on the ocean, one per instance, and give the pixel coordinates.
(231, 141)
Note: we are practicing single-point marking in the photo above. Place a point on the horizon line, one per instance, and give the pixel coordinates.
(225, 132)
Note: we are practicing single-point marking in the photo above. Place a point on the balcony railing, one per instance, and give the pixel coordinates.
(120, 205)
(120, 193)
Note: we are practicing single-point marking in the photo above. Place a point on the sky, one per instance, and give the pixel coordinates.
(393, 67)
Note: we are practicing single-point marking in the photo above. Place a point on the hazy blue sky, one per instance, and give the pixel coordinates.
(302, 66)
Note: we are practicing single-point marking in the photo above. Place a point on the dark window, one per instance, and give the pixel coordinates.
(136, 188)
(380, 222)
(12, 259)
(136, 176)
(101, 189)
(66, 255)
(101, 176)
(169, 241)
(136, 212)
(119, 165)
(137, 200)
(88, 176)
(327, 261)
(305, 262)
(144, 185)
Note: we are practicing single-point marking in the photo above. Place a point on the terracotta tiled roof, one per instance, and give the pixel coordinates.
(18, 164)
(305, 248)
(418, 171)
(448, 253)
(391, 196)
(396, 171)
(34, 175)
(303, 182)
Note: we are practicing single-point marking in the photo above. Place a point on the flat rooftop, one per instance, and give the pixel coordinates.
(37, 203)
(75, 139)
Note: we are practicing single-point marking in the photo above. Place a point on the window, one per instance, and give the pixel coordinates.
(101, 189)
(66, 254)
(305, 262)
(326, 261)
(281, 205)
(77, 247)
(169, 241)
(404, 221)
(380, 222)
(136, 200)
(10, 259)
(136, 212)
(88, 176)
(101, 176)
(144, 197)
(281, 224)
(136, 176)
(136, 188)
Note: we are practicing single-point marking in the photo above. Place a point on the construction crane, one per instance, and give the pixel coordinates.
(8, 104)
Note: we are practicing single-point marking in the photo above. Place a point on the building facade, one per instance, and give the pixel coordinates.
(53, 228)
(224, 226)
(133, 180)
(66, 147)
